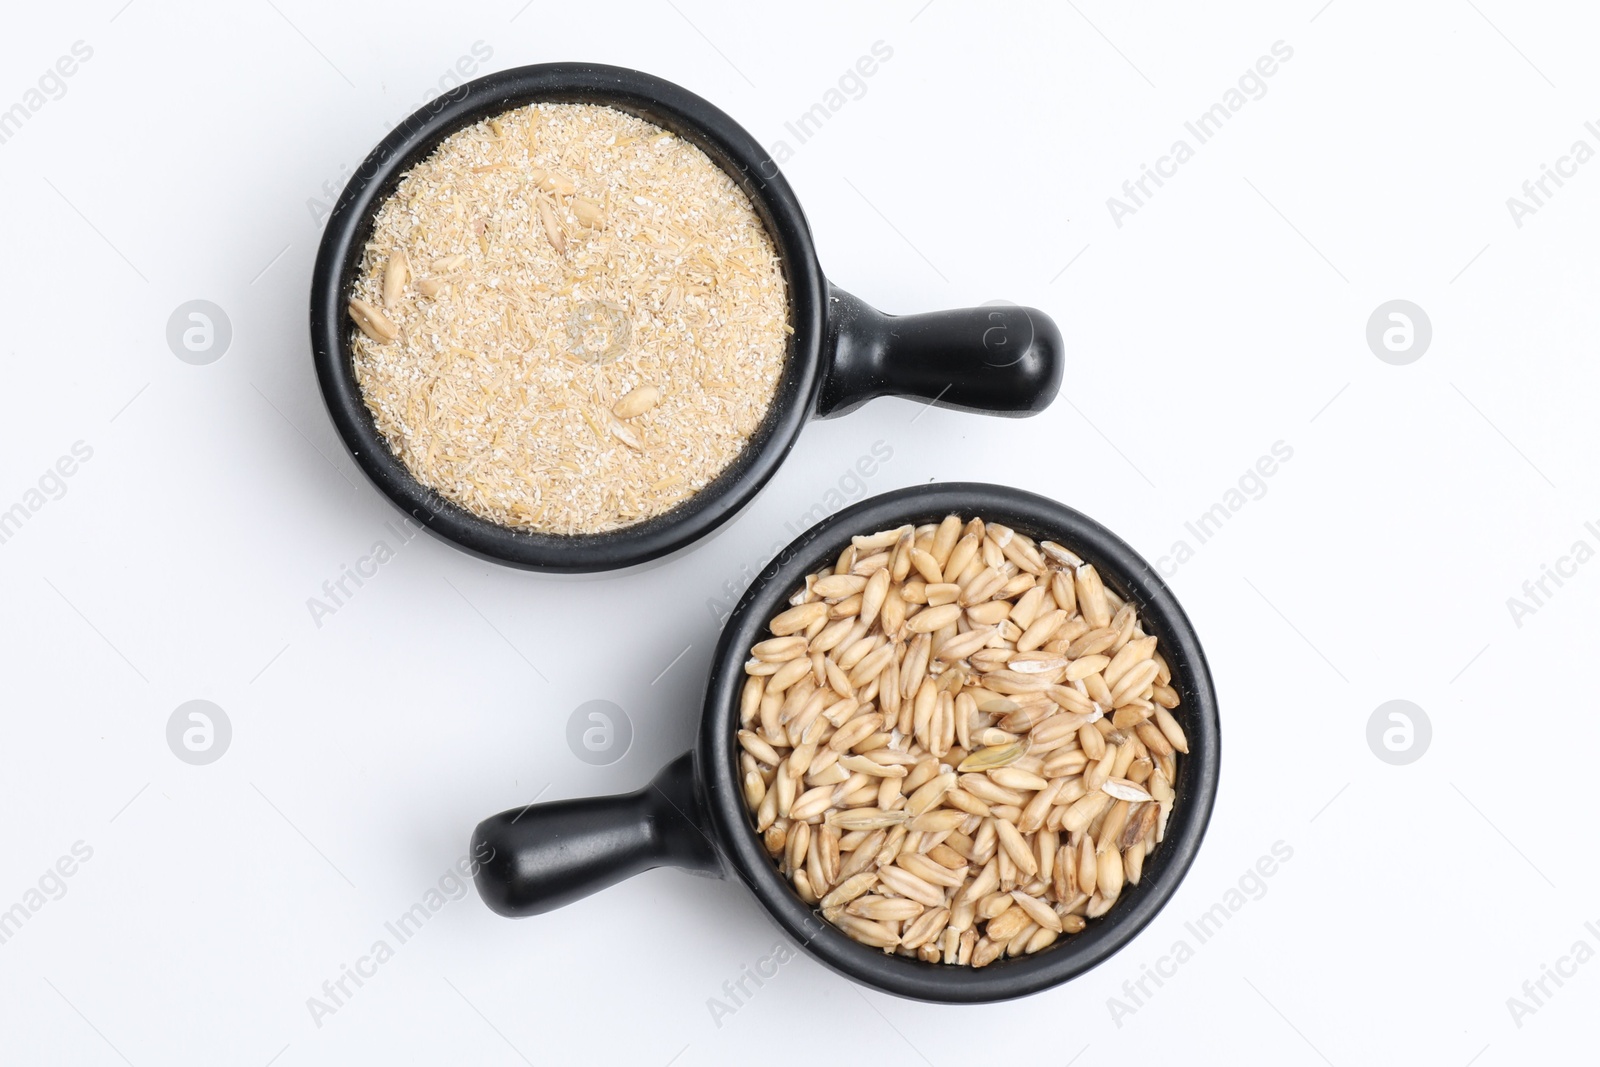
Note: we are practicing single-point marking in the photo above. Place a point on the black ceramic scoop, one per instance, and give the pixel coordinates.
(1001, 360)
(693, 815)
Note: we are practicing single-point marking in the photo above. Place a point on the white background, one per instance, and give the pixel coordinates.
(1228, 314)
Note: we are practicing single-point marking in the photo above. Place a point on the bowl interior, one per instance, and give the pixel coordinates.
(666, 105)
(1122, 570)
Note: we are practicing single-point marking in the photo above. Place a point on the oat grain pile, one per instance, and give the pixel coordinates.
(958, 743)
(570, 320)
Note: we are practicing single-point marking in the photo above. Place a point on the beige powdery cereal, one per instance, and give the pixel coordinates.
(957, 743)
(568, 319)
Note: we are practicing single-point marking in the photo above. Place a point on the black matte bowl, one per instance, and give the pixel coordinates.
(693, 815)
(1003, 360)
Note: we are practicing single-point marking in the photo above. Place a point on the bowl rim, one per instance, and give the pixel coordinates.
(665, 104)
(1123, 570)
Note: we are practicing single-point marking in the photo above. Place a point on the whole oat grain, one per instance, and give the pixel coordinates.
(568, 319)
(959, 744)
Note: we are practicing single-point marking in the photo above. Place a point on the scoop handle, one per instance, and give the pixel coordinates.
(1000, 360)
(544, 856)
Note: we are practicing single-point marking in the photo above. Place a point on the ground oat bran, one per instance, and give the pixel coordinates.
(569, 320)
